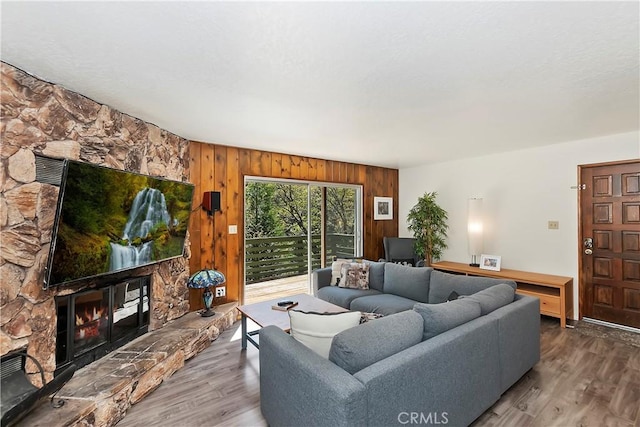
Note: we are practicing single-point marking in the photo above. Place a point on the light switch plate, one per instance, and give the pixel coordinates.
(233, 229)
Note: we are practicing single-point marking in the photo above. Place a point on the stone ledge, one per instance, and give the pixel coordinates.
(99, 394)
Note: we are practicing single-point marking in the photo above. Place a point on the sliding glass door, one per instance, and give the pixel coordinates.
(294, 227)
(338, 233)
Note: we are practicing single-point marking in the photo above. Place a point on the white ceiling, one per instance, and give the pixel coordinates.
(394, 84)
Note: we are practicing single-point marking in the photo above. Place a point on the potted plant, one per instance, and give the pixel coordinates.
(428, 222)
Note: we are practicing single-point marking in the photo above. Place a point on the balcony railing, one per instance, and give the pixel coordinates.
(277, 257)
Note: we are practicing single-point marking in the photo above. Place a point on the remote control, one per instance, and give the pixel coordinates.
(284, 303)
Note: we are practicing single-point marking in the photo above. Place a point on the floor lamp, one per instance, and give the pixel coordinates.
(474, 230)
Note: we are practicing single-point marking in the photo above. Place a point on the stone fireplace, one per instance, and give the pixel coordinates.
(79, 322)
(94, 322)
(40, 118)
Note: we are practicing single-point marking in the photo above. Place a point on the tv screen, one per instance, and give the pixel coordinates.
(110, 220)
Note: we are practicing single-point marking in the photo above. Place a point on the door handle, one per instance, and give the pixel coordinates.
(588, 251)
(588, 243)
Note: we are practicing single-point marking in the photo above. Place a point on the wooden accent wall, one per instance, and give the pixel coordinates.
(223, 168)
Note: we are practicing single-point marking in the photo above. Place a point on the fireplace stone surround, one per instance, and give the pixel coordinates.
(40, 118)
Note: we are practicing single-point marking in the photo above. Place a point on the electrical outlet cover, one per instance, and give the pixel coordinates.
(221, 291)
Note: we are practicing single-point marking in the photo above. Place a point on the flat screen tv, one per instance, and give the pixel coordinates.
(109, 220)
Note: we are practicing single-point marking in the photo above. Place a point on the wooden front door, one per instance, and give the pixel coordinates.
(610, 242)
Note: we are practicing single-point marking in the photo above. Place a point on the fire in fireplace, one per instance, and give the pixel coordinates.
(94, 322)
(91, 319)
(91, 322)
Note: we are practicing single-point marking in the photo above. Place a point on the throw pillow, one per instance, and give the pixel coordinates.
(354, 275)
(357, 348)
(493, 298)
(439, 318)
(366, 317)
(336, 269)
(316, 330)
(403, 261)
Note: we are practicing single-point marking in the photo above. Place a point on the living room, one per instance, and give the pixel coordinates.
(520, 153)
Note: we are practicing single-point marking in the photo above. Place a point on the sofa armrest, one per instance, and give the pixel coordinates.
(294, 380)
(320, 278)
(519, 332)
(453, 378)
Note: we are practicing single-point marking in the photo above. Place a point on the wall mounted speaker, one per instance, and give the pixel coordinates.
(211, 201)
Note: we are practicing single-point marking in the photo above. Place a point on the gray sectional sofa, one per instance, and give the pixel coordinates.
(394, 288)
(435, 362)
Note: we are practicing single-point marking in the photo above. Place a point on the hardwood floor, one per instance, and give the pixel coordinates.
(581, 380)
(219, 386)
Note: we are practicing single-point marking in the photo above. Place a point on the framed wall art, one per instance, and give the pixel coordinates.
(382, 208)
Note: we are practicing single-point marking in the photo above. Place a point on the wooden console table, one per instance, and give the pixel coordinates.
(555, 292)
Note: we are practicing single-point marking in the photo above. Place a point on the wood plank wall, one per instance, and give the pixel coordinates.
(223, 168)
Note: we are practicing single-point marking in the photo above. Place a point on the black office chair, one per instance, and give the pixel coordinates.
(401, 250)
(18, 395)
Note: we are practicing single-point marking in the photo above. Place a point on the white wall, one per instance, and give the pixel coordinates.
(521, 191)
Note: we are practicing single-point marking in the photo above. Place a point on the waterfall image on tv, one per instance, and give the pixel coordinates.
(110, 220)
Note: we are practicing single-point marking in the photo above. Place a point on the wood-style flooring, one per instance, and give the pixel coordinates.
(580, 380)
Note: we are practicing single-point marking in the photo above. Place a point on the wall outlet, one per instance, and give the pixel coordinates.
(221, 291)
(233, 229)
(554, 225)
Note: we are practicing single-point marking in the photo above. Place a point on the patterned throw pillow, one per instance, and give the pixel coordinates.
(336, 268)
(354, 275)
(403, 261)
(366, 317)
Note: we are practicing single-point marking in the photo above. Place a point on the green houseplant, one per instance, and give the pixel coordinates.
(428, 222)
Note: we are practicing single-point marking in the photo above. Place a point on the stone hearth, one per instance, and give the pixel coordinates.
(101, 393)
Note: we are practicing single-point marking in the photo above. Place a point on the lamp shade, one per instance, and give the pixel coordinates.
(474, 226)
(206, 278)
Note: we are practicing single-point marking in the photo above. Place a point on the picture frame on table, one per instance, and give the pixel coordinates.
(382, 208)
(490, 262)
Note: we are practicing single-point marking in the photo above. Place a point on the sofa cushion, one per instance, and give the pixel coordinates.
(493, 298)
(408, 282)
(354, 275)
(383, 304)
(439, 318)
(316, 330)
(376, 275)
(442, 284)
(356, 348)
(343, 296)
